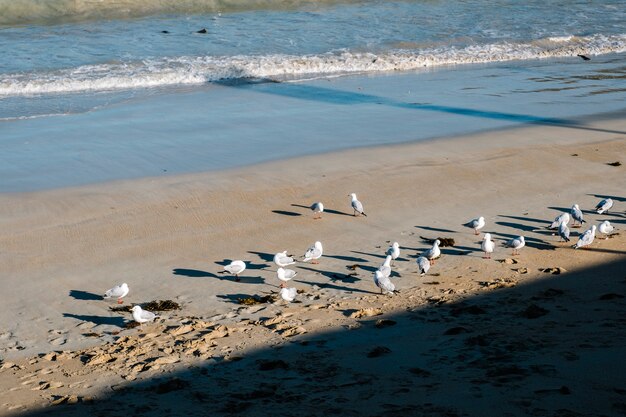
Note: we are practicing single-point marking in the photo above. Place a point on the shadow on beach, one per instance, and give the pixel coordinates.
(551, 347)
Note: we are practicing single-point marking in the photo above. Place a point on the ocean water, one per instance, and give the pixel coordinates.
(97, 90)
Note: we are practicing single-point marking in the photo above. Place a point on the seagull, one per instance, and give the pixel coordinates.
(235, 268)
(577, 215)
(281, 259)
(285, 275)
(564, 232)
(313, 253)
(560, 219)
(476, 224)
(393, 251)
(516, 244)
(434, 252)
(384, 283)
(142, 316)
(288, 294)
(119, 292)
(604, 206)
(586, 238)
(356, 205)
(606, 228)
(423, 264)
(385, 268)
(487, 246)
(318, 209)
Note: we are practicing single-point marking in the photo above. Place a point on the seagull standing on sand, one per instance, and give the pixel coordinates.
(282, 259)
(285, 275)
(564, 232)
(235, 268)
(434, 252)
(318, 209)
(142, 316)
(558, 220)
(604, 206)
(516, 244)
(119, 292)
(356, 205)
(606, 228)
(385, 268)
(393, 251)
(313, 253)
(384, 283)
(577, 215)
(423, 264)
(487, 246)
(586, 238)
(288, 294)
(476, 224)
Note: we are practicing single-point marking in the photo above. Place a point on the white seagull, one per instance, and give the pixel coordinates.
(119, 292)
(476, 224)
(385, 268)
(281, 259)
(606, 228)
(288, 294)
(604, 206)
(393, 251)
(586, 238)
(487, 246)
(564, 232)
(235, 268)
(313, 253)
(577, 215)
(318, 209)
(434, 252)
(423, 264)
(285, 275)
(384, 283)
(356, 205)
(516, 244)
(142, 316)
(558, 220)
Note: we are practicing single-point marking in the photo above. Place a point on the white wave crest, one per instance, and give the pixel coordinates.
(198, 70)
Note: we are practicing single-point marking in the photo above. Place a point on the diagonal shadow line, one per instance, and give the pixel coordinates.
(339, 97)
(424, 349)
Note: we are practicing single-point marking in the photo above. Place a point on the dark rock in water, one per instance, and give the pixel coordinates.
(202, 31)
(584, 57)
(611, 296)
(165, 31)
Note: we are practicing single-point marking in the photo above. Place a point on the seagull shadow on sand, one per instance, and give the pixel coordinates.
(98, 320)
(531, 242)
(569, 209)
(335, 277)
(85, 295)
(346, 258)
(267, 257)
(436, 229)
(287, 213)
(249, 264)
(194, 273)
(527, 219)
(375, 255)
(518, 226)
(326, 210)
(612, 197)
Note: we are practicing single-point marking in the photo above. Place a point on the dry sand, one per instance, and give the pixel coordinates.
(474, 337)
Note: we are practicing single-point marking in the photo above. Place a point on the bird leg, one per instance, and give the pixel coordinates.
(119, 301)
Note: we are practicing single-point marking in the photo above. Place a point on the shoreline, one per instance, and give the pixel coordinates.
(169, 237)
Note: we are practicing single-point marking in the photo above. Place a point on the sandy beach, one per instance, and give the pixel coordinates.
(540, 333)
